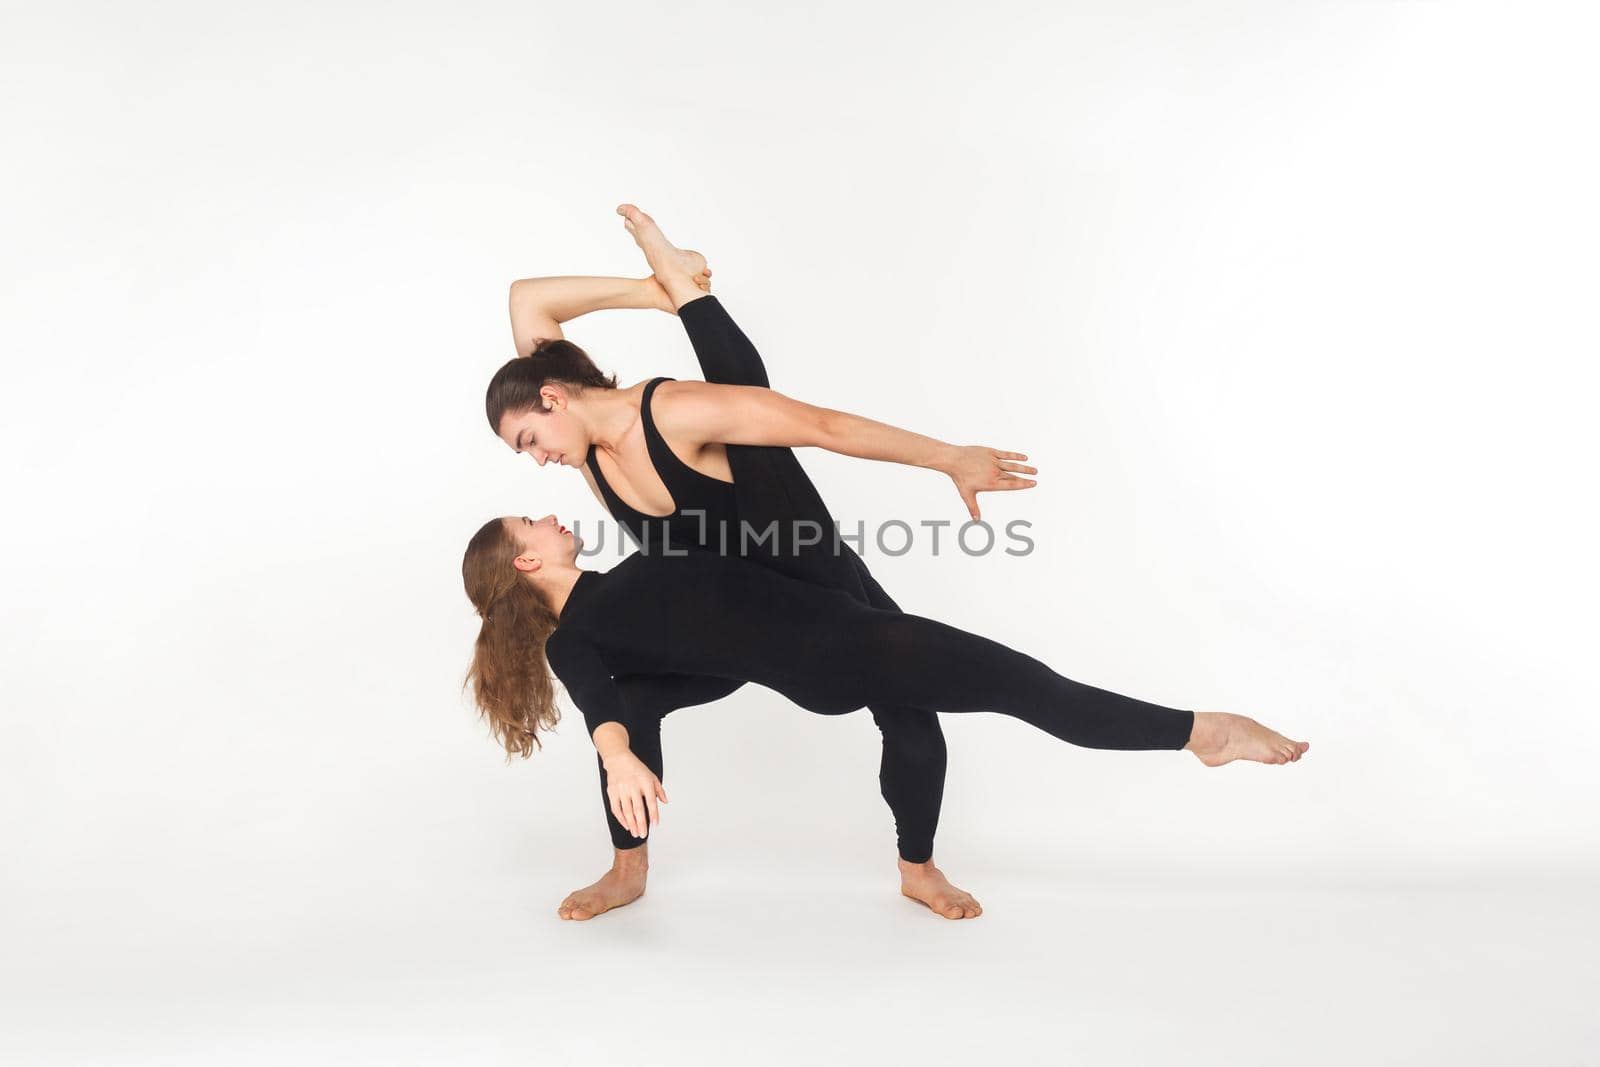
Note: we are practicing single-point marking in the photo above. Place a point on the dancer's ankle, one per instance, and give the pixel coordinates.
(631, 860)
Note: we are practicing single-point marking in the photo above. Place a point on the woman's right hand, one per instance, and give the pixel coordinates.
(980, 469)
(633, 790)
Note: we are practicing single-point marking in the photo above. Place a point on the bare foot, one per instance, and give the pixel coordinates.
(1219, 737)
(926, 883)
(618, 886)
(672, 266)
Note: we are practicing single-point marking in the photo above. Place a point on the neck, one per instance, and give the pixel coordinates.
(558, 582)
(613, 412)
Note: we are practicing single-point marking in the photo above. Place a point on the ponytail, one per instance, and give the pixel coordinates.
(515, 386)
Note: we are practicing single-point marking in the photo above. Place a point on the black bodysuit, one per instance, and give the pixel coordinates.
(721, 616)
(769, 487)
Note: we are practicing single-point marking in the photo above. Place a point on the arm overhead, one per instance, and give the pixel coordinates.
(540, 305)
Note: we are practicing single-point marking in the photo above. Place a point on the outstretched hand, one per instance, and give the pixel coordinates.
(979, 469)
(633, 790)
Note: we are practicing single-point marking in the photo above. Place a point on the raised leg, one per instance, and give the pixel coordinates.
(727, 356)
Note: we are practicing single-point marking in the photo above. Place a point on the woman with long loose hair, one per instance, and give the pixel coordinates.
(703, 614)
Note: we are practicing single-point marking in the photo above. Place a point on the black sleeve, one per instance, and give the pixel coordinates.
(579, 666)
(726, 355)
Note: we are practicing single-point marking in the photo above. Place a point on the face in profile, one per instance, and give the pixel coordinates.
(549, 434)
(544, 540)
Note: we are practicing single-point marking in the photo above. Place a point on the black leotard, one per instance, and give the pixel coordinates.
(701, 504)
(769, 488)
(726, 617)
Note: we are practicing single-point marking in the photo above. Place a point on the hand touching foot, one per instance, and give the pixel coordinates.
(681, 272)
(1219, 737)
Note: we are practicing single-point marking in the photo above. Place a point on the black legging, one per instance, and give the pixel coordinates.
(911, 770)
(709, 615)
(772, 484)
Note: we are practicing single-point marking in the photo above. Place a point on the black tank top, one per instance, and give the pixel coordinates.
(705, 506)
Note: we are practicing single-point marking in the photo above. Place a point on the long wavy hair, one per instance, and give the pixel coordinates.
(509, 675)
(515, 386)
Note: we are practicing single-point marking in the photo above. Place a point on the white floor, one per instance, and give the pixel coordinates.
(721, 965)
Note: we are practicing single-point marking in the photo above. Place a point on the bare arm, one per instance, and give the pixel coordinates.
(700, 413)
(540, 305)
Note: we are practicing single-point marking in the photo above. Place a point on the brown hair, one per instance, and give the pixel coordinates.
(515, 386)
(509, 676)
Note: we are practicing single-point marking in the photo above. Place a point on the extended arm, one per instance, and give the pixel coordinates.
(540, 305)
(701, 413)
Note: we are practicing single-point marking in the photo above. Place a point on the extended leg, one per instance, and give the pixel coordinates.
(912, 660)
(940, 667)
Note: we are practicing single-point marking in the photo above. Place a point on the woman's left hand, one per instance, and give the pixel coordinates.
(633, 791)
(980, 469)
(663, 301)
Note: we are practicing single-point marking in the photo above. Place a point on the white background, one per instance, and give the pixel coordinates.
(1292, 304)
